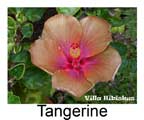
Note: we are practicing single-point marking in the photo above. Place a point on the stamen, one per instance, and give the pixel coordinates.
(75, 50)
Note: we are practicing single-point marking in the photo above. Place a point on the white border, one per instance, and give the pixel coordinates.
(115, 112)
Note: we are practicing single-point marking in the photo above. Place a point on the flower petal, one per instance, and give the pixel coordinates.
(71, 81)
(63, 29)
(96, 35)
(102, 67)
(47, 56)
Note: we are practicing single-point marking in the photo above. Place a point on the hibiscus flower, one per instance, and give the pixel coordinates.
(76, 54)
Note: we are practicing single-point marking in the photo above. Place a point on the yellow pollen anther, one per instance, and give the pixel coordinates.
(75, 52)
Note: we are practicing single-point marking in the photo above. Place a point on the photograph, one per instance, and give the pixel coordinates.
(72, 55)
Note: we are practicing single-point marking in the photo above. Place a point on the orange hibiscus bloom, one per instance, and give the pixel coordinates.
(75, 53)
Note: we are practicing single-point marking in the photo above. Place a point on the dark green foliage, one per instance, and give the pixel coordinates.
(34, 14)
(29, 84)
(22, 56)
(35, 78)
(130, 22)
(27, 30)
(13, 99)
(68, 11)
(11, 28)
(17, 71)
(120, 47)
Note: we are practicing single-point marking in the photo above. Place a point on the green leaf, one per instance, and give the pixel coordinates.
(130, 21)
(119, 29)
(17, 48)
(117, 13)
(12, 28)
(12, 11)
(69, 100)
(26, 46)
(13, 99)
(122, 49)
(27, 30)
(10, 46)
(34, 14)
(124, 65)
(17, 71)
(101, 12)
(68, 10)
(21, 18)
(19, 14)
(33, 97)
(19, 10)
(115, 21)
(35, 78)
(133, 65)
(79, 14)
(20, 57)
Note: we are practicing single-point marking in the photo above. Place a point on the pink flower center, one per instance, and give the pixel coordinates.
(75, 64)
(74, 61)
